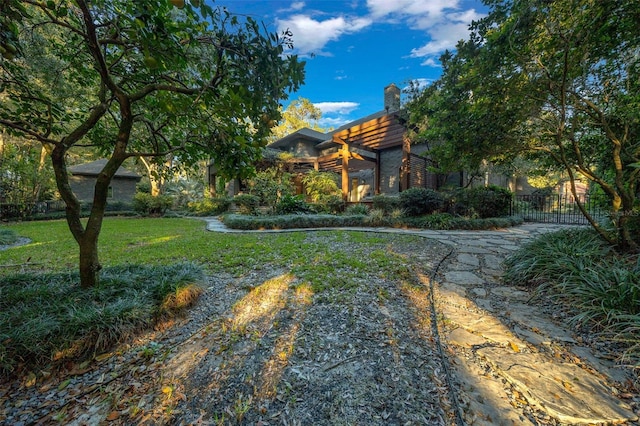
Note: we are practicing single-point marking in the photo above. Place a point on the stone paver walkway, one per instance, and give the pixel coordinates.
(513, 363)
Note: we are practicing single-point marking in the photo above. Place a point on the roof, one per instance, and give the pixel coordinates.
(304, 133)
(95, 167)
(328, 141)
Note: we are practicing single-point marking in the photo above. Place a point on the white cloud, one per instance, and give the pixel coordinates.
(432, 8)
(296, 6)
(336, 107)
(328, 122)
(420, 83)
(431, 62)
(443, 37)
(442, 20)
(310, 35)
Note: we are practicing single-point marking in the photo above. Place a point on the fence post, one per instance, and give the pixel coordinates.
(559, 208)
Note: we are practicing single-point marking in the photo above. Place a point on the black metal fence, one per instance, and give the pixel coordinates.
(556, 208)
(18, 211)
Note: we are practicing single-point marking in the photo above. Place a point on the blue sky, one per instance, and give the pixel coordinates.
(354, 48)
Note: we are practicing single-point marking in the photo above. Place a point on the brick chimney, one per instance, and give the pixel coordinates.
(391, 98)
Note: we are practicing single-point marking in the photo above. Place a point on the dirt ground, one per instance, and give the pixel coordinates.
(263, 349)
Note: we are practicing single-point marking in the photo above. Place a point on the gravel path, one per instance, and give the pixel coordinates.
(262, 349)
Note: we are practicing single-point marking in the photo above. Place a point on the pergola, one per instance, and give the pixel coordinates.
(360, 147)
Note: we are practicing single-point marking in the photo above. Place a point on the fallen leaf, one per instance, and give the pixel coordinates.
(64, 384)
(113, 416)
(102, 357)
(30, 380)
(514, 347)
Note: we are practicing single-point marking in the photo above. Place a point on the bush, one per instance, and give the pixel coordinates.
(270, 186)
(291, 204)
(357, 209)
(378, 217)
(321, 186)
(375, 218)
(47, 316)
(489, 201)
(578, 269)
(332, 204)
(420, 201)
(148, 205)
(8, 236)
(247, 203)
(209, 206)
(386, 203)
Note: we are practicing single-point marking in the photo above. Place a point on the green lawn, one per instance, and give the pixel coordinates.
(147, 265)
(166, 241)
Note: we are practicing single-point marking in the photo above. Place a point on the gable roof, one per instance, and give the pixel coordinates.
(304, 133)
(95, 167)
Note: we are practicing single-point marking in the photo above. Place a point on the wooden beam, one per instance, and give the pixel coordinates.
(384, 138)
(345, 173)
(377, 175)
(372, 131)
(376, 122)
(330, 157)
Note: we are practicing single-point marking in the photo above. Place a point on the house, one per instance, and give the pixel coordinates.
(83, 179)
(371, 155)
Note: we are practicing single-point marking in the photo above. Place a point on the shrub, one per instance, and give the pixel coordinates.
(332, 204)
(489, 201)
(291, 204)
(357, 209)
(579, 270)
(419, 201)
(149, 205)
(321, 186)
(386, 203)
(247, 203)
(184, 191)
(8, 236)
(270, 186)
(46, 316)
(377, 217)
(209, 206)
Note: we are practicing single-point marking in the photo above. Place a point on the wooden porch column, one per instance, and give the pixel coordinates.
(377, 174)
(345, 172)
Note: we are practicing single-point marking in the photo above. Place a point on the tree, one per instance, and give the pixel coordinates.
(556, 80)
(187, 80)
(299, 114)
(24, 176)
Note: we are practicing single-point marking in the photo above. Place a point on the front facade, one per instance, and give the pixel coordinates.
(83, 179)
(371, 155)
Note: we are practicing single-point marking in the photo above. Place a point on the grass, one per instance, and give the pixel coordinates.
(44, 315)
(599, 286)
(49, 317)
(7, 236)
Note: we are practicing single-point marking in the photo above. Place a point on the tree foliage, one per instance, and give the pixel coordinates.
(557, 81)
(139, 79)
(299, 114)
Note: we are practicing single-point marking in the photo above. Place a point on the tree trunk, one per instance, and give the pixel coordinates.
(89, 263)
(85, 235)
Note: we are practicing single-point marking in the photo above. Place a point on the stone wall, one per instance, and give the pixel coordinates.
(390, 163)
(122, 190)
(303, 148)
